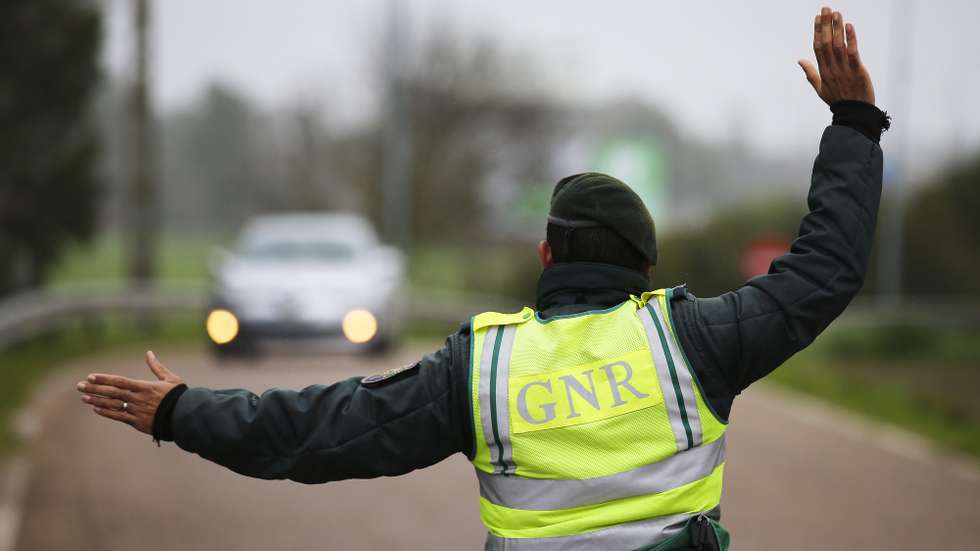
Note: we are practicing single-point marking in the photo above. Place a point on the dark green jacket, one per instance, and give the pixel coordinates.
(420, 417)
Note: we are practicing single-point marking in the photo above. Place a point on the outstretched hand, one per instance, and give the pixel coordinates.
(841, 75)
(129, 401)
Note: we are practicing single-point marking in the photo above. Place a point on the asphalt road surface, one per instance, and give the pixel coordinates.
(798, 478)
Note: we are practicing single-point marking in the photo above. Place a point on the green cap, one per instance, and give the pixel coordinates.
(593, 199)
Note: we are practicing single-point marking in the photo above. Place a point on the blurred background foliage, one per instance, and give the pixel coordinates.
(50, 189)
(943, 237)
(488, 139)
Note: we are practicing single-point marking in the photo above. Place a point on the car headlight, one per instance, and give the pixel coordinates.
(359, 326)
(222, 326)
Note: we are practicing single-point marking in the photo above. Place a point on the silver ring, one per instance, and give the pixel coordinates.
(125, 406)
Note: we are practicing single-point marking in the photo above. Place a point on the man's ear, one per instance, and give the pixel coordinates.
(544, 255)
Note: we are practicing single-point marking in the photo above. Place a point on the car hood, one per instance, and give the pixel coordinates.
(250, 276)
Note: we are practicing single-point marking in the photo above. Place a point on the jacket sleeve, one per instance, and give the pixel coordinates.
(737, 338)
(333, 432)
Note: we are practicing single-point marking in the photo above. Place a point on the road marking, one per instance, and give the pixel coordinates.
(15, 476)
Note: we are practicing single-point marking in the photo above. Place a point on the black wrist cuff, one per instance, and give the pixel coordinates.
(863, 117)
(162, 428)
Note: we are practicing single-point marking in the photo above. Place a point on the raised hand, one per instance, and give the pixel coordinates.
(841, 74)
(129, 401)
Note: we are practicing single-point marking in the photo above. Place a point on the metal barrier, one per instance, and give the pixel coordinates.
(28, 315)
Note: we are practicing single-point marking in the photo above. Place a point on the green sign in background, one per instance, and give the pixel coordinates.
(639, 162)
(642, 165)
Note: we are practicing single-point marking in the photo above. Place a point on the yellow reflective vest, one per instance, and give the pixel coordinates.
(592, 431)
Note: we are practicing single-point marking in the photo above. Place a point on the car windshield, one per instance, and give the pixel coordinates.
(292, 251)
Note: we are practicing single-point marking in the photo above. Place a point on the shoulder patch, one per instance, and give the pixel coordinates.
(378, 379)
(679, 293)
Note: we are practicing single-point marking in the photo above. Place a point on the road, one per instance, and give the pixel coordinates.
(798, 477)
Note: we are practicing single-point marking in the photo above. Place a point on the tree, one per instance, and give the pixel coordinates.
(225, 159)
(475, 114)
(477, 118)
(49, 187)
(211, 161)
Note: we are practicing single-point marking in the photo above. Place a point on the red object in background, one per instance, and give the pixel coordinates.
(759, 254)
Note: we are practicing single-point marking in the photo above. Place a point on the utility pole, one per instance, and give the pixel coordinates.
(892, 242)
(396, 177)
(141, 212)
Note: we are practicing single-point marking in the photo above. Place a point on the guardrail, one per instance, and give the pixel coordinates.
(938, 311)
(28, 315)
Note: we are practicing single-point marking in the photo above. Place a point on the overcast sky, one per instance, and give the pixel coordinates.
(711, 67)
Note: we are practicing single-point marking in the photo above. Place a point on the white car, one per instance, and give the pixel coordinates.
(315, 277)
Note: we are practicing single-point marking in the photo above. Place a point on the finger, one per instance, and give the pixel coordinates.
(158, 368)
(103, 402)
(812, 75)
(852, 46)
(838, 34)
(116, 381)
(817, 51)
(116, 415)
(107, 391)
(816, 31)
(113, 404)
(827, 37)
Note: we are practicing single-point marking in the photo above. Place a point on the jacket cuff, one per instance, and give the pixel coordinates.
(162, 426)
(863, 117)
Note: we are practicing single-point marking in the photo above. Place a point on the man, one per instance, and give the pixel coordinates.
(598, 419)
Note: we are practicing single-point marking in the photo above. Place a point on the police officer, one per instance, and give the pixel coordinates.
(597, 419)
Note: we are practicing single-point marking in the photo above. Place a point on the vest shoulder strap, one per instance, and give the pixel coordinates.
(488, 319)
(646, 297)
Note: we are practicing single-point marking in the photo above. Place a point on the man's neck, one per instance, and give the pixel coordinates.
(570, 287)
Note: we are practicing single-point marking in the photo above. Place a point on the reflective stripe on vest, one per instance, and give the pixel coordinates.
(561, 456)
(693, 497)
(495, 360)
(676, 381)
(631, 535)
(544, 494)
